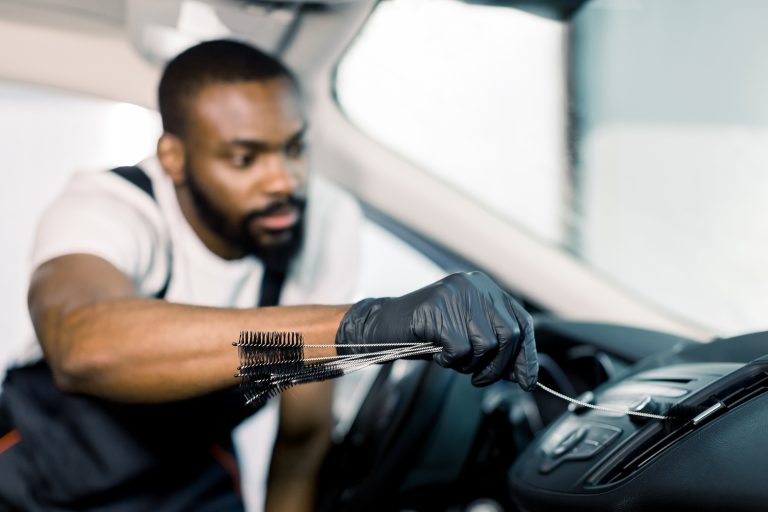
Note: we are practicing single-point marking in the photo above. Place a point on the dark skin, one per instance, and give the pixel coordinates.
(243, 144)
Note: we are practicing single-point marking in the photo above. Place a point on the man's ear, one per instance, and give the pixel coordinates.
(170, 152)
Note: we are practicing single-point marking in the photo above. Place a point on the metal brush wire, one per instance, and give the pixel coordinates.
(603, 408)
(272, 362)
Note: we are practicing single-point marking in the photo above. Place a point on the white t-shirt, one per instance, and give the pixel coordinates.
(103, 214)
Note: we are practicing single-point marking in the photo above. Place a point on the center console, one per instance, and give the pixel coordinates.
(712, 454)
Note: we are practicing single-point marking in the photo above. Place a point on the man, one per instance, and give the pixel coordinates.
(145, 275)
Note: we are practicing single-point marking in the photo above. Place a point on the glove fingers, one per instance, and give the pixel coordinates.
(526, 365)
(482, 338)
(507, 331)
(429, 326)
(467, 342)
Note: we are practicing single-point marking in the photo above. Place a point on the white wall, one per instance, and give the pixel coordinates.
(46, 136)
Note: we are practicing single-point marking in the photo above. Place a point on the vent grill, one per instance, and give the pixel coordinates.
(732, 390)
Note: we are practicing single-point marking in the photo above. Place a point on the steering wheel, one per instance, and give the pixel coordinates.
(364, 471)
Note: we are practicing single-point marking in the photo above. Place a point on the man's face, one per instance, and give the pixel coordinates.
(245, 168)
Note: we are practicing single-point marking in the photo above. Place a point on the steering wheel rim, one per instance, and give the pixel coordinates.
(365, 470)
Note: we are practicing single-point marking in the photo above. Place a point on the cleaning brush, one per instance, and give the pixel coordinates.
(271, 362)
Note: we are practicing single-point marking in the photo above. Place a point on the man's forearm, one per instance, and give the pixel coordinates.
(288, 488)
(150, 350)
(302, 442)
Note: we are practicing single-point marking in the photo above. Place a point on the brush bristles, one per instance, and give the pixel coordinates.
(270, 339)
(269, 352)
(271, 362)
(264, 358)
(257, 393)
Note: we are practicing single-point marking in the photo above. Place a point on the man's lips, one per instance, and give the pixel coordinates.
(283, 218)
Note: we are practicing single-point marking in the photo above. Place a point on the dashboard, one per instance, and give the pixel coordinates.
(426, 439)
(710, 454)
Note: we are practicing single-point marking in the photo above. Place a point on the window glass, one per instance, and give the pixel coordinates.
(671, 135)
(389, 266)
(473, 94)
(662, 188)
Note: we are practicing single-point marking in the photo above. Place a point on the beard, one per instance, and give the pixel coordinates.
(275, 254)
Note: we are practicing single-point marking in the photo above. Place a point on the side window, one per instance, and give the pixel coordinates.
(47, 135)
(471, 93)
(389, 265)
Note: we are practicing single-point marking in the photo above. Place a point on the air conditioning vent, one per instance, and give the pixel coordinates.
(669, 380)
(721, 397)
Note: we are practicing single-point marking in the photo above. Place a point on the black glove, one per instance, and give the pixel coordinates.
(481, 328)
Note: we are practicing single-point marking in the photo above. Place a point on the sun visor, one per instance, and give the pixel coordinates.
(160, 30)
(561, 10)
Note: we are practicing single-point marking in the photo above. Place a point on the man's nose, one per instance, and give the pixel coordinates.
(279, 177)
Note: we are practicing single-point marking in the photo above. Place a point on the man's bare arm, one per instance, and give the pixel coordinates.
(101, 339)
(302, 441)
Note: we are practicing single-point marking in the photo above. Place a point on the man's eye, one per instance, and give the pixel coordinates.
(243, 159)
(295, 149)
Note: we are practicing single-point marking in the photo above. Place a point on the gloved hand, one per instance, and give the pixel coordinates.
(481, 328)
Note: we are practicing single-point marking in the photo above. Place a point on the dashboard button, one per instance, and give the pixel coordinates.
(597, 437)
(603, 435)
(548, 465)
(569, 441)
(585, 450)
(581, 443)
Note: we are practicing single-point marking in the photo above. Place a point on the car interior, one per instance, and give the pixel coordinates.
(604, 160)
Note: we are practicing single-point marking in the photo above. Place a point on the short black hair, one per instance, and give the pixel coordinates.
(216, 61)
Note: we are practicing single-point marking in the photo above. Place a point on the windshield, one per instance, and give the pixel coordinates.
(670, 131)
(633, 135)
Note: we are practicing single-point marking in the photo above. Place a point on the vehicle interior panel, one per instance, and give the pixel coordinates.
(710, 453)
(559, 455)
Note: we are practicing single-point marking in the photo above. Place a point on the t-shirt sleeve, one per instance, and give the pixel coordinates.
(101, 216)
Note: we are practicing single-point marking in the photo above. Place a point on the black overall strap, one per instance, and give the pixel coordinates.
(138, 177)
(127, 456)
(271, 286)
